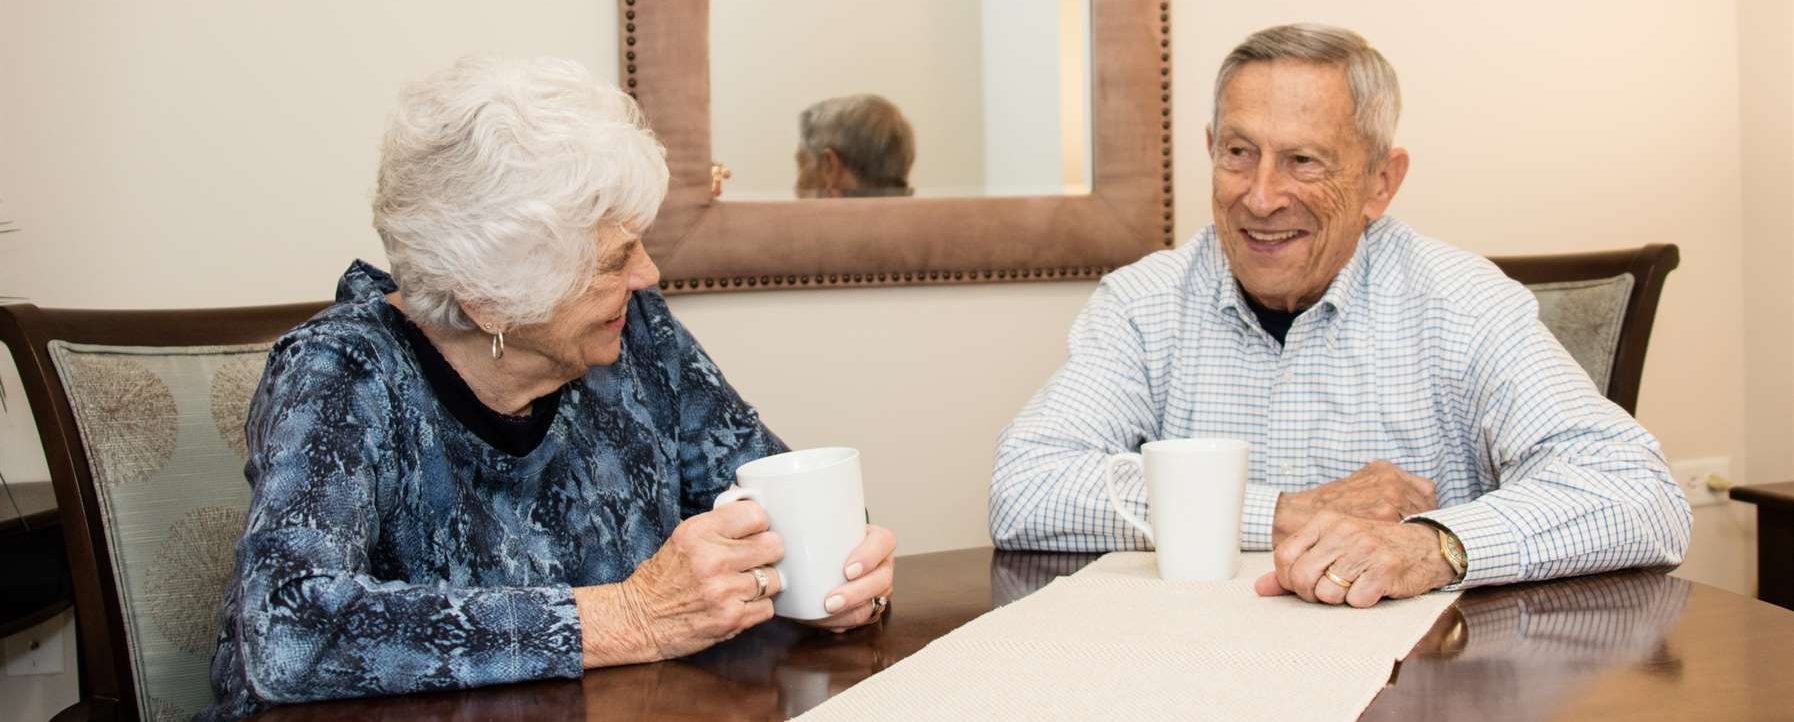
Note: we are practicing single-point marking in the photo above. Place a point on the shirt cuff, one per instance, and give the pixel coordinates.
(1492, 549)
(1257, 517)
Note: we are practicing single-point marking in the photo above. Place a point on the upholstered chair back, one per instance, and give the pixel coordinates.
(163, 433)
(1586, 317)
(1601, 307)
(141, 415)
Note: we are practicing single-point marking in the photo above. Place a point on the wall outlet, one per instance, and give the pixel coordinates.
(1705, 481)
(36, 651)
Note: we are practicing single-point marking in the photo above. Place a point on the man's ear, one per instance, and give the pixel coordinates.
(1386, 181)
(1209, 134)
(829, 168)
(836, 176)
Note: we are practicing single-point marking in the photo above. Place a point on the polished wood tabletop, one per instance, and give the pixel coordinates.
(1631, 645)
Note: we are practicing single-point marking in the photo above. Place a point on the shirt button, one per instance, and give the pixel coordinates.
(1286, 469)
(1289, 376)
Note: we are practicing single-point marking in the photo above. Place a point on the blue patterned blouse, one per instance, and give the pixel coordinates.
(389, 550)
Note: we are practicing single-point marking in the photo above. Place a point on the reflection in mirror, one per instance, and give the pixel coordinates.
(998, 93)
(854, 146)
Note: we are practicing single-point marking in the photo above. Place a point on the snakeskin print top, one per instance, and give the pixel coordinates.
(388, 550)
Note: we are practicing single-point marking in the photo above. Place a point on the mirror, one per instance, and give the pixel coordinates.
(923, 98)
(1101, 201)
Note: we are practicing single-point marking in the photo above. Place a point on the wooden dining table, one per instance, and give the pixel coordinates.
(1631, 645)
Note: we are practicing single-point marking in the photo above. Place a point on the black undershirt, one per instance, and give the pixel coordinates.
(514, 435)
(1275, 322)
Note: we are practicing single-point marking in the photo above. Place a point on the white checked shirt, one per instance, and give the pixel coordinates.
(1420, 354)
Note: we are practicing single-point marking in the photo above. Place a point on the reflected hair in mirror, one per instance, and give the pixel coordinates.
(870, 138)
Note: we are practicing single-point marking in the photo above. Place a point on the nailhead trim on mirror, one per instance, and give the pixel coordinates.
(835, 280)
(1165, 112)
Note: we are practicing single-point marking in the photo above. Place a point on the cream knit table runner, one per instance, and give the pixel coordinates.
(1115, 642)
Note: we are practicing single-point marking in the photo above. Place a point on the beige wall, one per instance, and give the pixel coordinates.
(223, 154)
(1766, 64)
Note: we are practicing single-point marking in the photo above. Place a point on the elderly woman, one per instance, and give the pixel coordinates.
(498, 463)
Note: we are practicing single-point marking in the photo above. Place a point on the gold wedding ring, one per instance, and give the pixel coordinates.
(1331, 577)
(760, 583)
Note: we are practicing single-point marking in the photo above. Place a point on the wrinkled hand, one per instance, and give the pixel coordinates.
(696, 591)
(1380, 490)
(870, 573)
(1375, 559)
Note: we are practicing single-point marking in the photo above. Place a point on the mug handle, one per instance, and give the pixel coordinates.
(1109, 465)
(734, 493)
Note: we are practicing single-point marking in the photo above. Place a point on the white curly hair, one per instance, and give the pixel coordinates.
(494, 178)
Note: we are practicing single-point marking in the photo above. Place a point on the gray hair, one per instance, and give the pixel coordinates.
(868, 132)
(495, 176)
(1376, 95)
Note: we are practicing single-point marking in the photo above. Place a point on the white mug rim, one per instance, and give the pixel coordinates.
(755, 468)
(1198, 445)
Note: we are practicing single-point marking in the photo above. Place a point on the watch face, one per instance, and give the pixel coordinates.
(1453, 551)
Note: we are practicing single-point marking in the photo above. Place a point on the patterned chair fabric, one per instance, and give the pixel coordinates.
(1586, 317)
(163, 432)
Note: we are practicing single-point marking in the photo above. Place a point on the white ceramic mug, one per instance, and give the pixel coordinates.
(818, 507)
(1195, 490)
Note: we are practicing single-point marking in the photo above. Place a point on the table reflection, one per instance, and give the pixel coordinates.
(1014, 575)
(1520, 652)
(791, 666)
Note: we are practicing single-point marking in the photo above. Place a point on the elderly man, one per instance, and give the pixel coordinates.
(855, 146)
(1413, 426)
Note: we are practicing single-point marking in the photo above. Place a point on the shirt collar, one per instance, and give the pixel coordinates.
(1341, 294)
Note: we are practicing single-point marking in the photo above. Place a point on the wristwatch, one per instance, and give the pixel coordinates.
(1450, 548)
(1454, 553)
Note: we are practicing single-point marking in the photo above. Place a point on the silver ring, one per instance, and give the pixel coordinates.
(760, 583)
(879, 603)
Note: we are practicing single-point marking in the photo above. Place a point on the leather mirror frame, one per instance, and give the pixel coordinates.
(702, 243)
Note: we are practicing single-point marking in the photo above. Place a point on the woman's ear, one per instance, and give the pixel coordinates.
(479, 317)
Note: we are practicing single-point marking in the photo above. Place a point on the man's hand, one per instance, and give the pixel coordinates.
(1340, 559)
(1380, 491)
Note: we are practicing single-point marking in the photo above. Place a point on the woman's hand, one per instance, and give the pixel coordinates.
(870, 574)
(699, 589)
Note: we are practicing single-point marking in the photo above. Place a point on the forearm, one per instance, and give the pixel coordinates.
(323, 636)
(1571, 516)
(1583, 488)
(614, 628)
(1051, 497)
(1047, 490)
